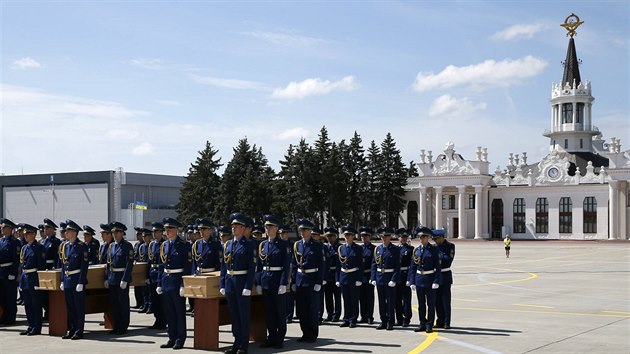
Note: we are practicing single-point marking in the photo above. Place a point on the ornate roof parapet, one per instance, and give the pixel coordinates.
(451, 163)
(617, 157)
(582, 89)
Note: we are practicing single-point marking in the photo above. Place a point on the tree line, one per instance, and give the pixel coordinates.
(328, 182)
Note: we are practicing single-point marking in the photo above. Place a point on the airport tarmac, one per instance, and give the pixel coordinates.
(548, 297)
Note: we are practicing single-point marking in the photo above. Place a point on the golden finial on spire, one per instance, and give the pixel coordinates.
(571, 23)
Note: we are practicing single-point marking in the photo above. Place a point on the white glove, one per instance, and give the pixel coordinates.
(282, 289)
(222, 291)
(391, 284)
(106, 284)
(358, 283)
(413, 287)
(258, 289)
(293, 288)
(373, 282)
(317, 287)
(337, 284)
(247, 292)
(324, 282)
(79, 288)
(181, 292)
(407, 283)
(11, 277)
(159, 290)
(148, 281)
(435, 286)
(123, 285)
(61, 286)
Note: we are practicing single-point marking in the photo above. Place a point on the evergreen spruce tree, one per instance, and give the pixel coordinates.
(392, 179)
(322, 153)
(355, 168)
(412, 171)
(372, 196)
(334, 187)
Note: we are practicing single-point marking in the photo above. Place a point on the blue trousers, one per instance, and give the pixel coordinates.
(403, 303)
(138, 293)
(443, 304)
(333, 300)
(33, 307)
(156, 305)
(119, 301)
(290, 301)
(175, 310)
(147, 297)
(275, 307)
(386, 298)
(240, 313)
(426, 305)
(8, 296)
(350, 303)
(307, 306)
(366, 300)
(75, 305)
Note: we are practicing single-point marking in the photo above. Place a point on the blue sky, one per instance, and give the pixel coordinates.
(142, 85)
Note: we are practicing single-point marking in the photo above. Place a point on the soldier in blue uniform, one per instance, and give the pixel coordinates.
(108, 238)
(309, 264)
(225, 233)
(154, 275)
(9, 265)
(349, 276)
(385, 273)
(74, 255)
(138, 291)
(403, 291)
(176, 260)
(316, 235)
(207, 252)
(118, 273)
(258, 232)
(93, 244)
(332, 292)
(51, 244)
(32, 258)
(273, 272)
(443, 293)
(290, 295)
(366, 291)
(143, 257)
(424, 278)
(237, 278)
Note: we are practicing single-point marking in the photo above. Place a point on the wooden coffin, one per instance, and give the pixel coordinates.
(49, 279)
(139, 274)
(96, 276)
(204, 286)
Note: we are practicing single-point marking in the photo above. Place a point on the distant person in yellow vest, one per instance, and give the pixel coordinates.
(507, 242)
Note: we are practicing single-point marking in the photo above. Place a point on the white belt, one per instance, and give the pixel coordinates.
(71, 272)
(6, 264)
(50, 261)
(425, 272)
(312, 270)
(26, 271)
(349, 270)
(205, 270)
(117, 270)
(272, 269)
(172, 271)
(155, 265)
(367, 271)
(404, 268)
(446, 269)
(237, 272)
(385, 270)
(332, 268)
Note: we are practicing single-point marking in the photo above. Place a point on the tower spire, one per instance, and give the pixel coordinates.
(571, 63)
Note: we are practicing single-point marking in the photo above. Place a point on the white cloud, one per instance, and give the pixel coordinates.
(487, 74)
(518, 31)
(447, 105)
(120, 134)
(285, 39)
(314, 87)
(168, 102)
(143, 149)
(293, 134)
(26, 63)
(229, 83)
(147, 63)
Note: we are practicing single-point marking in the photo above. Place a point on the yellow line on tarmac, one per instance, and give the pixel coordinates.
(541, 312)
(527, 305)
(622, 312)
(457, 299)
(425, 344)
(530, 277)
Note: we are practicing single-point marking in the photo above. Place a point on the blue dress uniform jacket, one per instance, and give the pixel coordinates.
(102, 252)
(176, 257)
(332, 292)
(443, 293)
(273, 271)
(350, 272)
(119, 267)
(309, 263)
(9, 264)
(33, 258)
(74, 272)
(447, 254)
(207, 256)
(93, 251)
(386, 268)
(51, 245)
(237, 274)
(424, 271)
(153, 274)
(403, 292)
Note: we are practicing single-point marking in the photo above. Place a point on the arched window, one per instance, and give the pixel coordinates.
(519, 215)
(590, 215)
(567, 113)
(566, 215)
(542, 216)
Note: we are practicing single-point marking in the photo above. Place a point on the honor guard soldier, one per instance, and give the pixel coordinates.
(273, 271)
(332, 292)
(309, 264)
(118, 273)
(385, 272)
(258, 231)
(92, 243)
(138, 291)
(108, 238)
(42, 233)
(349, 276)
(32, 258)
(9, 265)
(74, 255)
(424, 278)
(403, 291)
(443, 293)
(176, 260)
(207, 252)
(237, 278)
(366, 292)
(154, 275)
(143, 257)
(51, 245)
(316, 235)
(225, 233)
(290, 296)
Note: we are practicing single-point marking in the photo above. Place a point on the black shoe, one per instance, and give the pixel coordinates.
(345, 324)
(68, 336)
(167, 345)
(301, 339)
(23, 333)
(447, 326)
(335, 319)
(310, 340)
(390, 327)
(352, 325)
(381, 326)
(241, 351)
(439, 325)
(279, 345)
(363, 320)
(32, 333)
(405, 324)
(230, 351)
(328, 319)
(76, 337)
(420, 328)
(266, 344)
(429, 329)
(178, 346)
(371, 321)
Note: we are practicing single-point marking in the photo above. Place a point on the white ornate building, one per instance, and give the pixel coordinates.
(580, 190)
